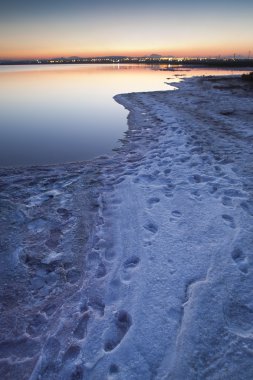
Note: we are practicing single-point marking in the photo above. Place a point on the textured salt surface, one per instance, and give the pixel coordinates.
(139, 265)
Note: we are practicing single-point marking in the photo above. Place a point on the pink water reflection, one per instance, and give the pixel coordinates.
(64, 113)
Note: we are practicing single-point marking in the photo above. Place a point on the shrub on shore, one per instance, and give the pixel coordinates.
(248, 77)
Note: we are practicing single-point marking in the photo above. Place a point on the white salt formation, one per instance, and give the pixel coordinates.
(140, 265)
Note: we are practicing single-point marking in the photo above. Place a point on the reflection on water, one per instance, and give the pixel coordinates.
(63, 113)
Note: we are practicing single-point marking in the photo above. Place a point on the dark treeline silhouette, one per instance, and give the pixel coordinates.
(206, 62)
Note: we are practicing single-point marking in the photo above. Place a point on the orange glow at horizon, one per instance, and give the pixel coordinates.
(23, 55)
(130, 30)
(177, 52)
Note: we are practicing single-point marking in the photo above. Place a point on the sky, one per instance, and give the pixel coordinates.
(54, 28)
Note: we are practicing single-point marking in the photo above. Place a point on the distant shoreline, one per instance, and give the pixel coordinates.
(196, 62)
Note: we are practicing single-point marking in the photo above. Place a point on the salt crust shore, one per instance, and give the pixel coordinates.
(139, 265)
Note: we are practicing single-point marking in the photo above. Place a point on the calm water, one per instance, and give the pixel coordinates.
(51, 114)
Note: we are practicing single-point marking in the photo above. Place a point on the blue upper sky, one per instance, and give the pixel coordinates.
(28, 8)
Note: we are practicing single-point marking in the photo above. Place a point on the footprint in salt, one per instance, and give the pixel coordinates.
(238, 318)
(227, 201)
(240, 260)
(229, 220)
(81, 329)
(120, 325)
(129, 266)
(167, 171)
(77, 373)
(247, 206)
(176, 213)
(113, 371)
(152, 201)
(101, 270)
(97, 304)
(71, 354)
(151, 227)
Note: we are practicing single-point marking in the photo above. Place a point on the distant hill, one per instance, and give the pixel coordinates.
(158, 56)
(154, 56)
(113, 57)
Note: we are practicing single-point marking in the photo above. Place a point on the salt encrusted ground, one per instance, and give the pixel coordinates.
(140, 265)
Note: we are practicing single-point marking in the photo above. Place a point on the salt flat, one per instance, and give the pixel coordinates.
(138, 265)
